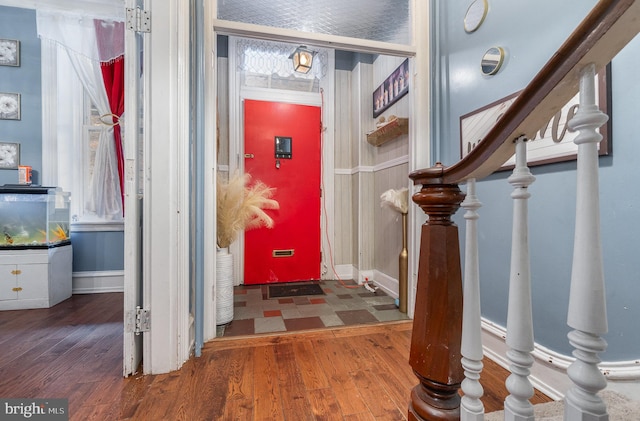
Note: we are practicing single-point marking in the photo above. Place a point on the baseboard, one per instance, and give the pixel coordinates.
(343, 272)
(549, 370)
(98, 282)
(386, 283)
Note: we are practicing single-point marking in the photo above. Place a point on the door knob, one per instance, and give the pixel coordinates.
(248, 155)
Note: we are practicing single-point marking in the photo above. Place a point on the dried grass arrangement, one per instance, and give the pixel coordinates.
(240, 207)
(397, 200)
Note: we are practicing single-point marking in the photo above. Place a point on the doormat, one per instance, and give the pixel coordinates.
(294, 290)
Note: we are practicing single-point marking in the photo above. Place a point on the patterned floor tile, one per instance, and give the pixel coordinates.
(240, 327)
(303, 323)
(354, 317)
(341, 305)
(269, 324)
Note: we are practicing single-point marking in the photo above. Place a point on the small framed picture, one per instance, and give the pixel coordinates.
(9, 106)
(9, 52)
(9, 156)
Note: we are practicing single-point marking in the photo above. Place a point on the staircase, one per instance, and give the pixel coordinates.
(446, 349)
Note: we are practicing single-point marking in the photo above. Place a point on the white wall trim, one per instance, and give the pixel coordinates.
(386, 283)
(548, 373)
(321, 40)
(353, 171)
(210, 174)
(378, 167)
(97, 282)
(344, 171)
(97, 226)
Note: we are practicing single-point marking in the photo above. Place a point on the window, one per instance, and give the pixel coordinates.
(71, 139)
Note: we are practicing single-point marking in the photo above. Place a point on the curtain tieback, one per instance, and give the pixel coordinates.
(110, 123)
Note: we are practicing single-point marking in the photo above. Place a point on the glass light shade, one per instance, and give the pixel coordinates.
(302, 59)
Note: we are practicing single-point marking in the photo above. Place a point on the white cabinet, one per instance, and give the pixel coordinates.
(35, 278)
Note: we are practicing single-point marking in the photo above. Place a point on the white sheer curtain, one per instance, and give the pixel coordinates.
(104, 189)
(77, 35)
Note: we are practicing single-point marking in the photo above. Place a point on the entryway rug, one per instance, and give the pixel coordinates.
(295, 290)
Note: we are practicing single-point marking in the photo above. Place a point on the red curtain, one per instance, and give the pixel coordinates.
(110, 38)
(113, 76)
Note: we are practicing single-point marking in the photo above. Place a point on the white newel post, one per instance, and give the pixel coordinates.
(587, 305)
(471, 408)
(519, 313)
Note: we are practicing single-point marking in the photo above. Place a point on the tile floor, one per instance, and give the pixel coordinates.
(255, 312)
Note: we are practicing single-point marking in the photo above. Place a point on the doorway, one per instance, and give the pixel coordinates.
(283, 150)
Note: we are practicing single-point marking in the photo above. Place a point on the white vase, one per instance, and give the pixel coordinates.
(224, 287)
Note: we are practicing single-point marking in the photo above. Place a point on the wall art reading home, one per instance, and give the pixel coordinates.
(9, 106)
(392, 89)
(9, 155)
(9, 52)
(552, 143)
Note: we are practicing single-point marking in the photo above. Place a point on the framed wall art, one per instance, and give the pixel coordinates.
(9, 52)
(392, 89)
(9, 106)
(553, 142)
(9, 156)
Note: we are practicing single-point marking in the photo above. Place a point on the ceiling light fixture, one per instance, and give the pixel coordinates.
(302, 59)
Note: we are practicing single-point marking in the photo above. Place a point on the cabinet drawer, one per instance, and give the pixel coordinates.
(25, 257)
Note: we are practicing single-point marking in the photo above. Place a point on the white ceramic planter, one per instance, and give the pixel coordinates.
(224, 287)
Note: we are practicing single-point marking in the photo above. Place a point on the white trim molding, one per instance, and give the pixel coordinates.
(117, 226)
(97, 282)
(372, 169)
(549, 371)
(353, 171)
(388, 284)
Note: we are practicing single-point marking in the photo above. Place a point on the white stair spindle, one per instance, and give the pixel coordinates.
(471, 408)
(587, 305)
(519, 317)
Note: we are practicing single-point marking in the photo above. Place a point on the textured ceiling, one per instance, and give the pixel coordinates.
(366, 19)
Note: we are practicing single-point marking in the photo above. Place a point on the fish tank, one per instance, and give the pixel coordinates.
(33, 217)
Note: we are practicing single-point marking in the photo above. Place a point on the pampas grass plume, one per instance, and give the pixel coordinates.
(396, 199)
(240, 207)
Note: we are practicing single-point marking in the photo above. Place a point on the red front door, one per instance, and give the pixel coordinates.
(290, 251)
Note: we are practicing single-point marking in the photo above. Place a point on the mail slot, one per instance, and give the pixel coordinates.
(283, 253)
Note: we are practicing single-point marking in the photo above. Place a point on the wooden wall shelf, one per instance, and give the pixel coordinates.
(389, 131)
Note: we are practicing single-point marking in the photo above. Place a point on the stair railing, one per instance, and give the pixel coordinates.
(438, 349)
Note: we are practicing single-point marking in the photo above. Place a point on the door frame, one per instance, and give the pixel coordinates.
(166, 211)
(133, 348)
(237, 95)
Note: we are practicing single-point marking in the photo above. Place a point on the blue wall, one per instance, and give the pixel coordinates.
(530, 32)
(97, 251)
(20, 24)
(92, 251)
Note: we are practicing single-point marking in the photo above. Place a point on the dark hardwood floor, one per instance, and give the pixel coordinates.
(74, 351)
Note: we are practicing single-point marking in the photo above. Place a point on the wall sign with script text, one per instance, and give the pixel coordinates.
(552, 143)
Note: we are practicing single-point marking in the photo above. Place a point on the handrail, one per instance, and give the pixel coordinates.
(610, 26)
(435, 354)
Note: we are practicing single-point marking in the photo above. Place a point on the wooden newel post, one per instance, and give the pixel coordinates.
(437, 325)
